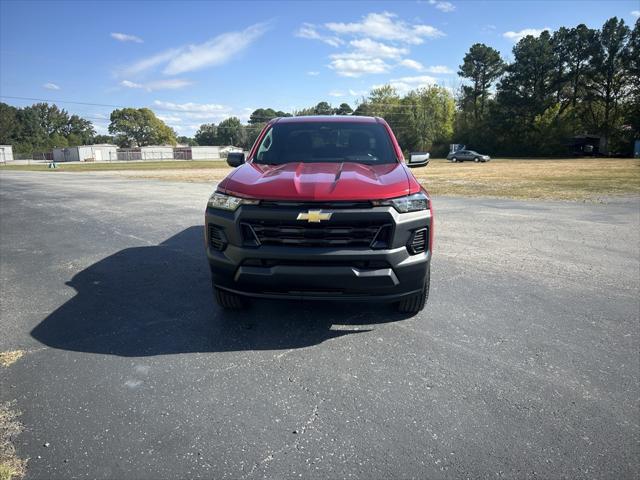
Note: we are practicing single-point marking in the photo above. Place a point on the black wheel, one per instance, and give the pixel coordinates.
(477, 159)
(454, 159)
(228, 300)
(415, 303)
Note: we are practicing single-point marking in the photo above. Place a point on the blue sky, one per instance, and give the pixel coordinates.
(200, 62)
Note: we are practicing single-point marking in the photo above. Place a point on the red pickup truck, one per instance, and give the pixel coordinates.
(321, 208)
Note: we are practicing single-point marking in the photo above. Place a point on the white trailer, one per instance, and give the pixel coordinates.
(197, 153)
(6, 153)
(85, 153)
(156, 152)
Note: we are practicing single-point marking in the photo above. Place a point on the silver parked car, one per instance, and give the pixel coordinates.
(462, 155)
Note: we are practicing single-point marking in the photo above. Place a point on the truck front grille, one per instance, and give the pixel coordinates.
(354, 234)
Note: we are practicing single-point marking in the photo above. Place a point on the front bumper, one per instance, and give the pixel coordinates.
(273, 271)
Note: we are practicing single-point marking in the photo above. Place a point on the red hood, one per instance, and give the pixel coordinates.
(320, 181)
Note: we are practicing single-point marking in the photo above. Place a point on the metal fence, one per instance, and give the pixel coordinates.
(121, 155)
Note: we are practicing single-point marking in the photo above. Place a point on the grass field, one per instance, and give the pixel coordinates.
(570, 179)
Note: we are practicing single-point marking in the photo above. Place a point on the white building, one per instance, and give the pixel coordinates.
(156, 152)
(229, 149)
(85, 153)
(197, 153)
(6, 153)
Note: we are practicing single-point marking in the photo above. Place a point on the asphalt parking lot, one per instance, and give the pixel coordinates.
(525, 363)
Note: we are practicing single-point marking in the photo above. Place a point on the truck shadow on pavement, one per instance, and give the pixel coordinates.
(157, 300)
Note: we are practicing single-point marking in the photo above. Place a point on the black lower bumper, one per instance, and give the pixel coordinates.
(274, 271)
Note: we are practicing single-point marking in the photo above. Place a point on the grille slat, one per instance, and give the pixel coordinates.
(353, 235)
(316, 205)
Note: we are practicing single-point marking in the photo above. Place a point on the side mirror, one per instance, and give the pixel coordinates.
(235, 159)
(418, 159)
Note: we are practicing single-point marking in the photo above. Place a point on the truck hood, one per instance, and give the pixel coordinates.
(320, 181)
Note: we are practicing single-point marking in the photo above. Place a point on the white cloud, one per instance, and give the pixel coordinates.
(351, 65)
(435, 69)
(386, 26)
(169, 84)
(308, 30)
(191, 106)
(336, 93)
(413, 64)
(51, 86)
(124, 37)
(313, 73)
(129, 84)
(170, 118)
(517, 36)
(357, 93)
(196, 111)
(374, 45)
(369, 47)
(149, 63)
(187, 117)
(217, 51)
(404, 85)
(443, 6)
(635, 13)
(439, 70)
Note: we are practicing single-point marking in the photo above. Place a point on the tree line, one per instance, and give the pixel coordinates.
(562, 84)
(42, 127)
(559, 85)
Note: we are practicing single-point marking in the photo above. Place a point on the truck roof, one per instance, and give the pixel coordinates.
(328, 118)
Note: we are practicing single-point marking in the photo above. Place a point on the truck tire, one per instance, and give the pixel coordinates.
(228, 300)
(454, 159)
(415, 303)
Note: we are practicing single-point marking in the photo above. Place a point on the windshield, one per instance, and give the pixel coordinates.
(308, 142)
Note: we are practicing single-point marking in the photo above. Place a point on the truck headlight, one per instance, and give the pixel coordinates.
(228, 202)
(410, 203)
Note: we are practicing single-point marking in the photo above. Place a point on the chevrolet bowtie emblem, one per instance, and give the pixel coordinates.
(314, 216)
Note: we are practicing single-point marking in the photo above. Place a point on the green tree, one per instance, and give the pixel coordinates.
(187, 141)
(425, 119)
(42, 126)
(56, 140)
(102, 139)
(610, 82)
(382, 102)
(262, 115)
(525, 91)
(574, 49)
(207, 134)
(10, 127)
(481, 65)
(231, 132)
(80, 130)
(305, 112)
(323, 108)
(529, 79)
(49, 118)
(140, 127)
(632, 112)
(344, 109)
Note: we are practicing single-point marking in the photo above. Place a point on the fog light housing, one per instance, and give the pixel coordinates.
(418, 241)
